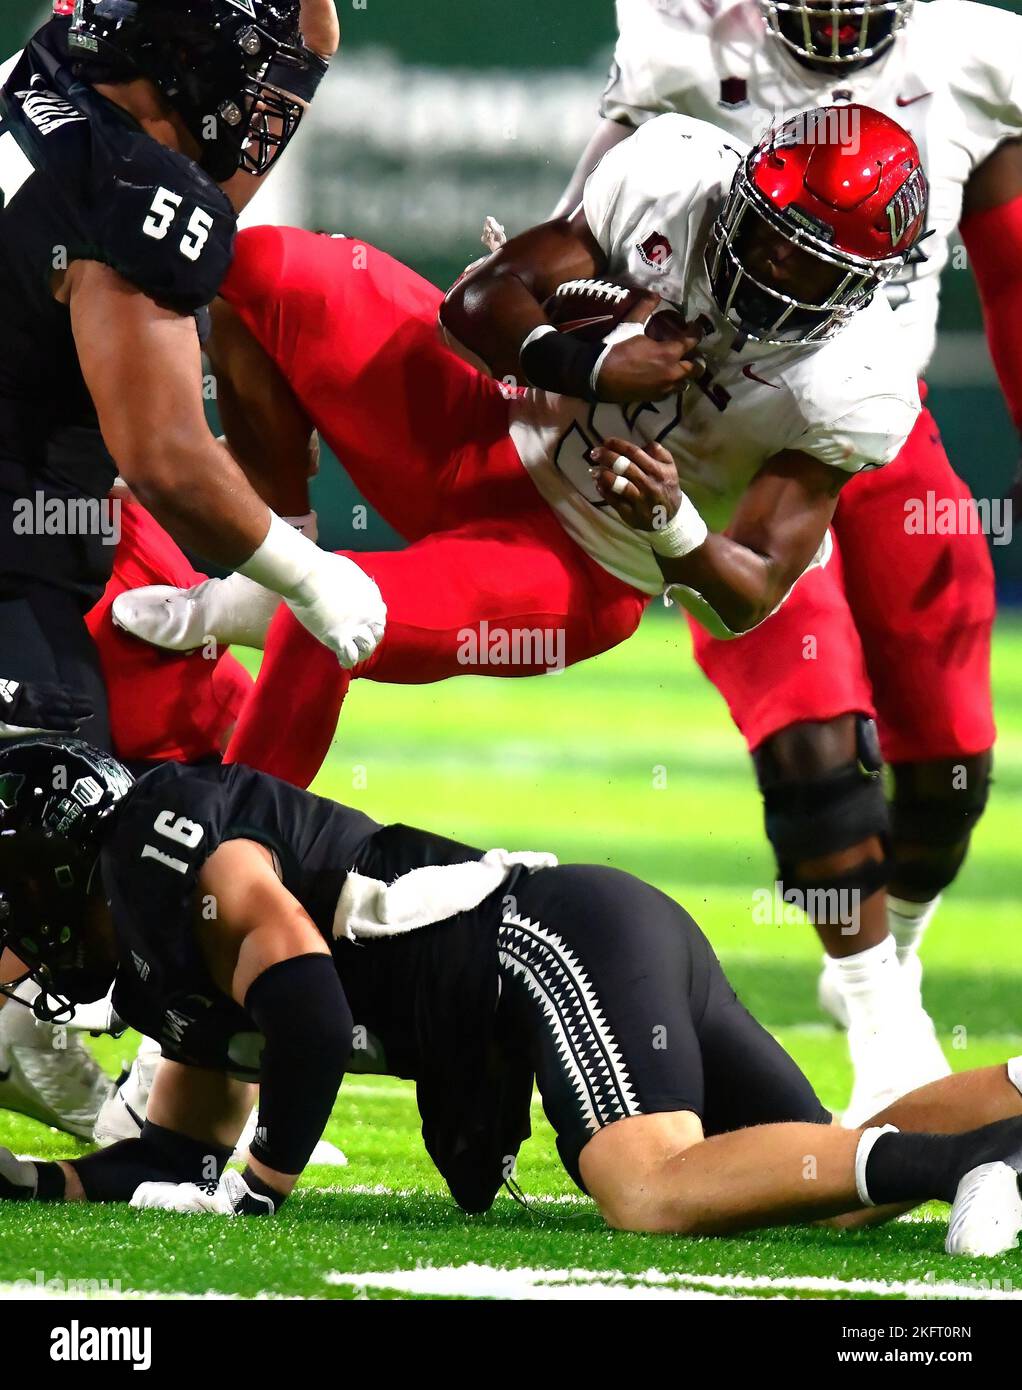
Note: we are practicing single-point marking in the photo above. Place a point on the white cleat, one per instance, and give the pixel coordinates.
(49, 1074)
(172, 619)
(986, 1216)
(890, 1061)
(123, 1115)
(229, 611)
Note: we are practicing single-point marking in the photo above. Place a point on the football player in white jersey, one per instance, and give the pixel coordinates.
(906, 637)
(787, 401)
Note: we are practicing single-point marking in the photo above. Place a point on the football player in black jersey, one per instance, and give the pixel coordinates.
(266, 935)
(131, 132)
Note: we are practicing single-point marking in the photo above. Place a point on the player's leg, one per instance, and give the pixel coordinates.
(504, 598)
(798, 690)
(164, 706)
(925, 615)
(354, 332)
(640, 1071)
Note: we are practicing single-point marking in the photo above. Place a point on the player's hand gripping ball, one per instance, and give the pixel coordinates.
(641, 484)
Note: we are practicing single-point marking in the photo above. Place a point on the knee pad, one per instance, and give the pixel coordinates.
(942, 821)
(936, 828)
(819, 815)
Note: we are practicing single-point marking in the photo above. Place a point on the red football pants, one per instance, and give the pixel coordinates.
(163, 706)
(492, 584)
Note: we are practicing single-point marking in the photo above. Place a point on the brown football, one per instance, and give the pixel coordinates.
(590, 309)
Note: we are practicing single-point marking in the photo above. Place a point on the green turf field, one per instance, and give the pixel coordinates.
(629, 760)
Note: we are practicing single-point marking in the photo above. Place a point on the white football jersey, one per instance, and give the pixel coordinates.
(850, 401)
(952, 78)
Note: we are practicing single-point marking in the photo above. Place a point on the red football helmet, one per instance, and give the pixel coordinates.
(821, 213)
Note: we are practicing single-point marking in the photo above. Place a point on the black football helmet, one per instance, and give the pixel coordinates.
(55, 796)
(236, 71)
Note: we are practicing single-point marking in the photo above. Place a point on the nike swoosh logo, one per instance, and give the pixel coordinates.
(910, 101)
(748, 372)
(576, 325)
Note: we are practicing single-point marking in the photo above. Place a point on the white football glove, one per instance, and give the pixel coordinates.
(232, 1197)
(342, 606)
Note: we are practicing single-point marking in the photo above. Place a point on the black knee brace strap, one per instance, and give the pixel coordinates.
(817, 816)
(822, 815)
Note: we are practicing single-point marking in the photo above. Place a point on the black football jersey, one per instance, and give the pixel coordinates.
(164, 832)
(80, 180)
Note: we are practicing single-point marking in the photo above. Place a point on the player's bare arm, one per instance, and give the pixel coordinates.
(745, 571)
(497, 312)
(142, 364)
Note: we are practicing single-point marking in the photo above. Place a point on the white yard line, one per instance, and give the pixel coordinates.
(32, 1291)
(488, 1281)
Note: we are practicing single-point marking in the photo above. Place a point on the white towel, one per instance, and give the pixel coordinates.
(369, 907)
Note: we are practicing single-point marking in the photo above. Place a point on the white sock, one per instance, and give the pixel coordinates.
(237, 611)
(907, 923)
(870, 983)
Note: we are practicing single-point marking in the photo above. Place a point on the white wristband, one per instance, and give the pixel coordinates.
(865, 1147)
(620, 334)
(684, 533)
(283, 561)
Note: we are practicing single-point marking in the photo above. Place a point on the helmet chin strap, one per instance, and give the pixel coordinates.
(61, 1010)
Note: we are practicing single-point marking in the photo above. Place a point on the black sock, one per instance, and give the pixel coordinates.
(923, 1167)
(51, 1180)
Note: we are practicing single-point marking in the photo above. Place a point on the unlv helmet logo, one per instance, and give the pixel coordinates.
(656, 250)
(63, 6)
(907, 209)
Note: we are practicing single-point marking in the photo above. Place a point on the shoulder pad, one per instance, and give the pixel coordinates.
(159, 221)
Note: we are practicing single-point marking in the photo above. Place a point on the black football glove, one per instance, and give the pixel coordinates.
(40, 707)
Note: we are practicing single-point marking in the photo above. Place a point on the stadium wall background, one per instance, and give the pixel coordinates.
(442, 114)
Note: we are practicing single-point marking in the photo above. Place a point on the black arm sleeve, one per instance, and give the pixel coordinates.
(157, 1155)
(299, 1007)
